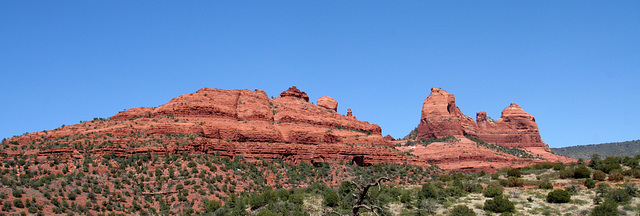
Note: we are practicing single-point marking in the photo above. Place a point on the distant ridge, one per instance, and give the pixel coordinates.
(628, 148)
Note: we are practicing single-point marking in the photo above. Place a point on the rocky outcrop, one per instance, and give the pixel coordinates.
(515, 128)
(389, 138)
(295, 93)
(349, 113)
(328, 103)
(229, 123)
(465, 155)
(441, 118)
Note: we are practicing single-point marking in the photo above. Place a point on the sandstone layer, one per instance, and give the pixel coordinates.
(465, 155)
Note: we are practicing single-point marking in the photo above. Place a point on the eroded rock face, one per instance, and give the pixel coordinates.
(328, 103)
(441, 117)
(389, 138)
(295, 93)
(231, 123)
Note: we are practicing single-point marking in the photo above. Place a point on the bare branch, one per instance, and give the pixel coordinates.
(361, 195)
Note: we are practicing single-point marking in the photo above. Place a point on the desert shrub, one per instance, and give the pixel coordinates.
(599, 175)
(461, 210)
(608, 208)
(296, 198)
(331, 198)
(609, 164)
(18, 203)
(545, 185)
(256, 201)
(595, 161)
(630, 188)
(454, 191)
(499, 204)
(71, 196)
(573, 189)
(283, 194)
(514, 173)
(6, 206)
(405, 197)
(558, 166)
(492, 191)
(589, 183)
(445, 177)
(345, 188)
(630, 162)
(635, 173)
(471, 187)
(191, 164)
(546, 165)
(602, 189)
(17, 193)
(210, 206)
(566, 173)
(619, 195)
(558, 196)
(616, 176)
(515, 182)
(429, 191)
(495, 176)
(427, 207)
(582, 172)
(32, 209)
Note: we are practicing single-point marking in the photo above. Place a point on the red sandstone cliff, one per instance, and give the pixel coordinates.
(441, 117)
(230, 123)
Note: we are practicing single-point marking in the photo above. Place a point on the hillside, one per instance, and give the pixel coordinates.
(240, 150)
(628, 149)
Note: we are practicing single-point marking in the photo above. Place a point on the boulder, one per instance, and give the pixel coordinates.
(328, 103)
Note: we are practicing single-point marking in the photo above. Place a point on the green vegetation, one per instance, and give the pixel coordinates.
(493, 191)
(499, 204)
(426, 142)
(545, 185)
(620, 149)
(558, 196)
(182, 183)
(461, 210)
(512, 151)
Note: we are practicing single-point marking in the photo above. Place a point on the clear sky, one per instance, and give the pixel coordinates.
(574, 65)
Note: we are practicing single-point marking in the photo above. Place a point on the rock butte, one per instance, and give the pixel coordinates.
(441, 117)
(232, 123)
(515, 129)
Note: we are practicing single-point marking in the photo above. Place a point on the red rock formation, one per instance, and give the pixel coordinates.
(328, 103)
(389, 138)
(229, 123)
(349, 113)
(464, 155)
(294, 92)
(441, 117)
(515, 128)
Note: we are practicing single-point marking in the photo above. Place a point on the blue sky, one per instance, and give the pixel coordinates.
(574, 65)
